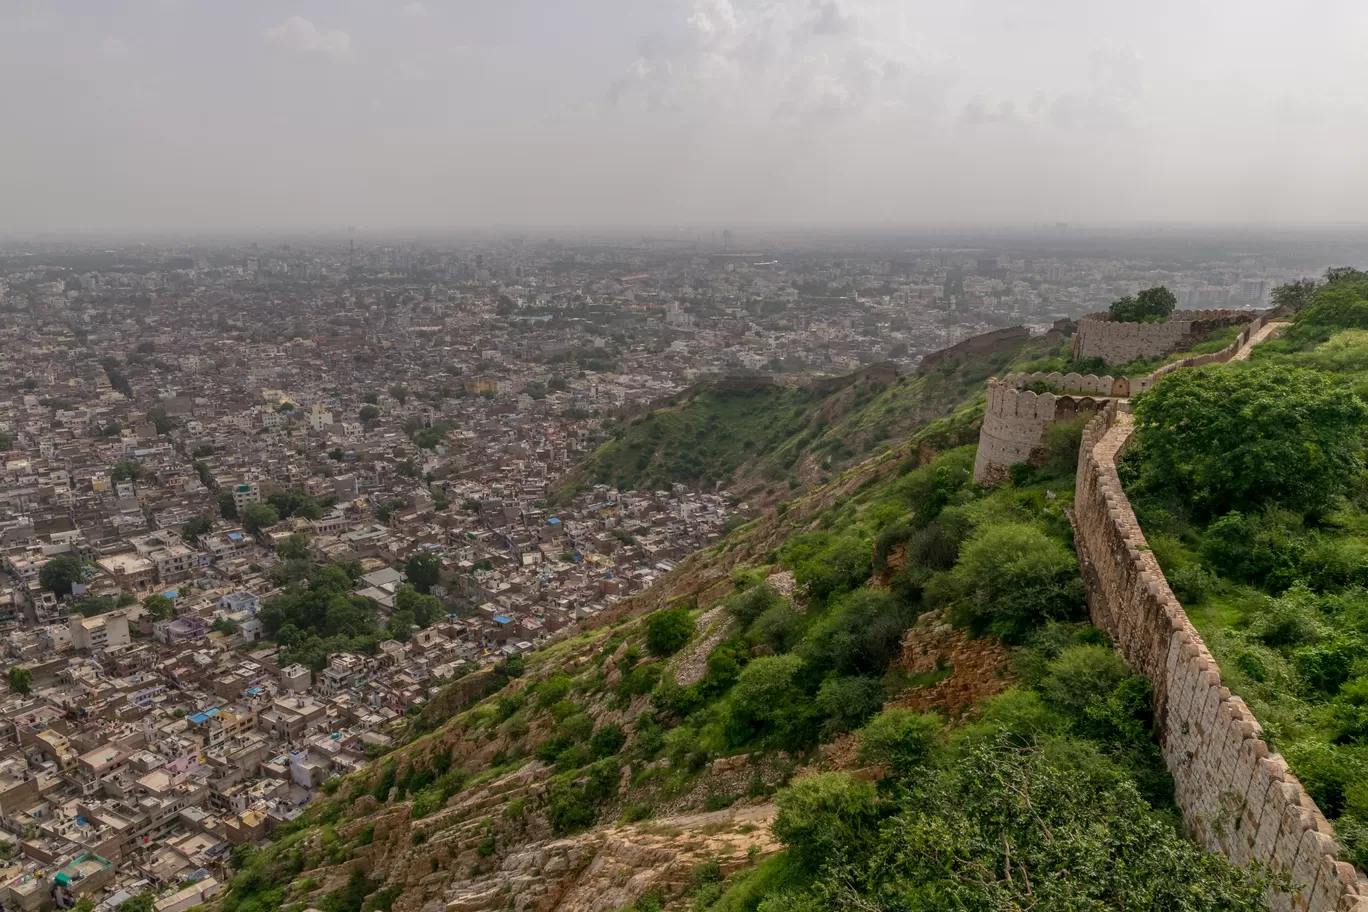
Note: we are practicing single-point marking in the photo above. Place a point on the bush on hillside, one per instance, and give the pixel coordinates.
(1012, 577)
(900, 738)
(824, 818)
(1242, 437)
(1005, 826)
(668, 631)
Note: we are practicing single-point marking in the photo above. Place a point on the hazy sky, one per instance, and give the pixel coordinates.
(287, 114)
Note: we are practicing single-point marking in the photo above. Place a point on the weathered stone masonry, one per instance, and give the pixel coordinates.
(1015, 419)
(1099, 336)
(1236, 795)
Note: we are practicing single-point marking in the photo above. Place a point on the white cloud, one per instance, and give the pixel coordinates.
(791, 60)
(415, 10)
(301, 36)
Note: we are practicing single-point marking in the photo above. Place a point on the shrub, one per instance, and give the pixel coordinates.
(847, 702)
(1149, 306)
(1193, 585)
(825, 817)
(1011, 577)
(929, 489)
(1328, 772)
(826, 565)
(668, 631)
(1349, 712)
(780, 628)
(553, 690)
(640, 680)
(640, 810)
(861, 635)
(1291, 620)
(568, 809)
(1080, 676)
(1327, 665)
(1060, 442)
(601, 783)
(607, 740)
(748, 604)
(766, 701)
(900, 738)
(719, 802)
(1263, 548)
(1333, 307)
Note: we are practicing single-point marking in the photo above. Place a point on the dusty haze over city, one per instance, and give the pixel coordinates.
(173, 115)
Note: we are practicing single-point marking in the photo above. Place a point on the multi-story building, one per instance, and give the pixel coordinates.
(96, 634)
(245, 494)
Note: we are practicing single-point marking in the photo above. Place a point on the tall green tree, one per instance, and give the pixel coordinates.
(1152, 304)
(296, 547)
(259, 516)
(60, 574)
(197, 526)
(159, 606)
(423, 570)
(20, 680)
(127, 470)
(1293, 297)
(423, 609)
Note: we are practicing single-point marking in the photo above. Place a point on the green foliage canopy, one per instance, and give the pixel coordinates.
(1148, 306)
(1239, 437)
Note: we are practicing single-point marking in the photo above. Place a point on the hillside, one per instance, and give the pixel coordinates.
(763, 441)
(881, 694)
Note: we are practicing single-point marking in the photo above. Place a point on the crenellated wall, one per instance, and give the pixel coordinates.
(1117, 343)
(1087, 384)
(1236, 794)
(1014, 420)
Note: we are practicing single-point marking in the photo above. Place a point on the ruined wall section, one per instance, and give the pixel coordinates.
(1117, 343)
(1237, 796)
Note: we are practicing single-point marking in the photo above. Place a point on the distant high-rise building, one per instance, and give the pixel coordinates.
(1252, 290)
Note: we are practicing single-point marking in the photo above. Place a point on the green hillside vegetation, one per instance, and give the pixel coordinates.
(768, 436)
(1249, 482)
(1051, 794)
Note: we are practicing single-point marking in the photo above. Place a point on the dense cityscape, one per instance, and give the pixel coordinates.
(261, 502)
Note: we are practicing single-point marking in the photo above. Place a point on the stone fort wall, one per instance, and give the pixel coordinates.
(1013, 425)
(1236, 794)
(1117, 343)
(1014, 421)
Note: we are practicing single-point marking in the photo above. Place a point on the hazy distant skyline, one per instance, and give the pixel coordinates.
(295, 115)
